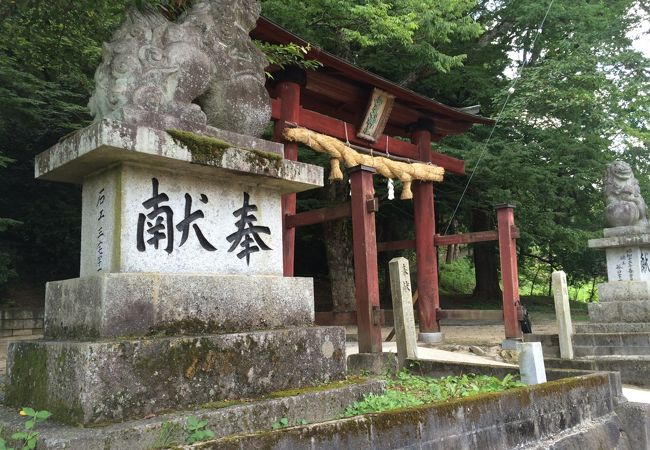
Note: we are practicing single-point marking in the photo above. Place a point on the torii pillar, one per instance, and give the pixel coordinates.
(425, 250)
(289, 82)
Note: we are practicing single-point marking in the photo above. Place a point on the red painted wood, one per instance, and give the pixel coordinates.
(318, 216)
(471, 314)
(425, 251)
(365, 259)
(395, 245)
(289, 109)
(466, 238)
(270, 32)
(449, 239)
(321, 123)
(509, 271)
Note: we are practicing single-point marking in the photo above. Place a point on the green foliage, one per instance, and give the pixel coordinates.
(407, 391)
(377, 34)
(166, 438)
(284, 423)
(457, 277)
(197, 430)
(290, 54)
(281, 423)
(570, 114)
(28, 438)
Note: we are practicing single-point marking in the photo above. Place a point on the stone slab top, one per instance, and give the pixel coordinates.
(626, 231)
(621, 241)
(111, 142)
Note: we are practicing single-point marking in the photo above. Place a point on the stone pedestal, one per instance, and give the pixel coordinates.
(100, 381)
(625, 297)
(181, 299)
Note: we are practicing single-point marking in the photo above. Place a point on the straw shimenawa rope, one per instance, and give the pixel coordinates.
(338, 151)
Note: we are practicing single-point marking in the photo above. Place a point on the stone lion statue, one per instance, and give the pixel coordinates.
(624, 205)
(201, 69)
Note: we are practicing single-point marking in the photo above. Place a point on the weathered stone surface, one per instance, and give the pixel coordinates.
(626, 231)
(154, 70)
(508, 420)
(141, 219)
(633, 369)
(624, 205)
(531, 363)
(613, 327)
(550, 343)
(621, 291)
(109, 142)
(628, 263)
(400, 285)
(620, 241)
(619, 312)
(318, 404)
(372, 363)
(601, 433)
(132, 304)
(91, 382)
(600, 344)
(635, 420)
(563, 313)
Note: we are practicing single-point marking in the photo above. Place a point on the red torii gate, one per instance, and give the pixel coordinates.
(332, 101)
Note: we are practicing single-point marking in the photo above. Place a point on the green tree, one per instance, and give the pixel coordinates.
(581, 102)
(48, 54)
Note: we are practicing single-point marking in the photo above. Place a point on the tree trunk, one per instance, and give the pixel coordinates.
(485, 260)
(337, 236)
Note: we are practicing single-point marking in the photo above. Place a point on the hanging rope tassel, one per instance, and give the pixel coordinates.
(335, 170)
(338, 151)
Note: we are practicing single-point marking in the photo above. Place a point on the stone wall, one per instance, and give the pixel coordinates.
(519, 418)
(21, 322)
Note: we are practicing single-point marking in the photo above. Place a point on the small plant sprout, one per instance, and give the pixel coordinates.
(282, 423)
(197, 430)
(28, 437)
(407, 390)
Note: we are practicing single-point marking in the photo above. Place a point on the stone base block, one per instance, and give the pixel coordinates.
(630, 311)
(615, 327)
(91, 382)
(372, 363)
(136, 304)
(633, 369)
(623, 291)
(320, 404)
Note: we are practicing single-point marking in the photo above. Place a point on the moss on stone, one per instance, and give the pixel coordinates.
(316, 388)
(262, 159)
(28, 385)
(204, 149)
(208, 149)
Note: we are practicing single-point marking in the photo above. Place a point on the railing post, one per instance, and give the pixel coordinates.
(288, 87)
(366, 279)
(509, 270)
(425, 250)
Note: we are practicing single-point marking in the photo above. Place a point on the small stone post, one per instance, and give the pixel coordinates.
(563, 314)
(531, 362)
(400, 286)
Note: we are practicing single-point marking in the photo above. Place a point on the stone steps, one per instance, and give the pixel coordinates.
(624, 291)
(322, 404)
(612, 327)
(596, 344)
(628, 311)
(508, 420)
(634, 369)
